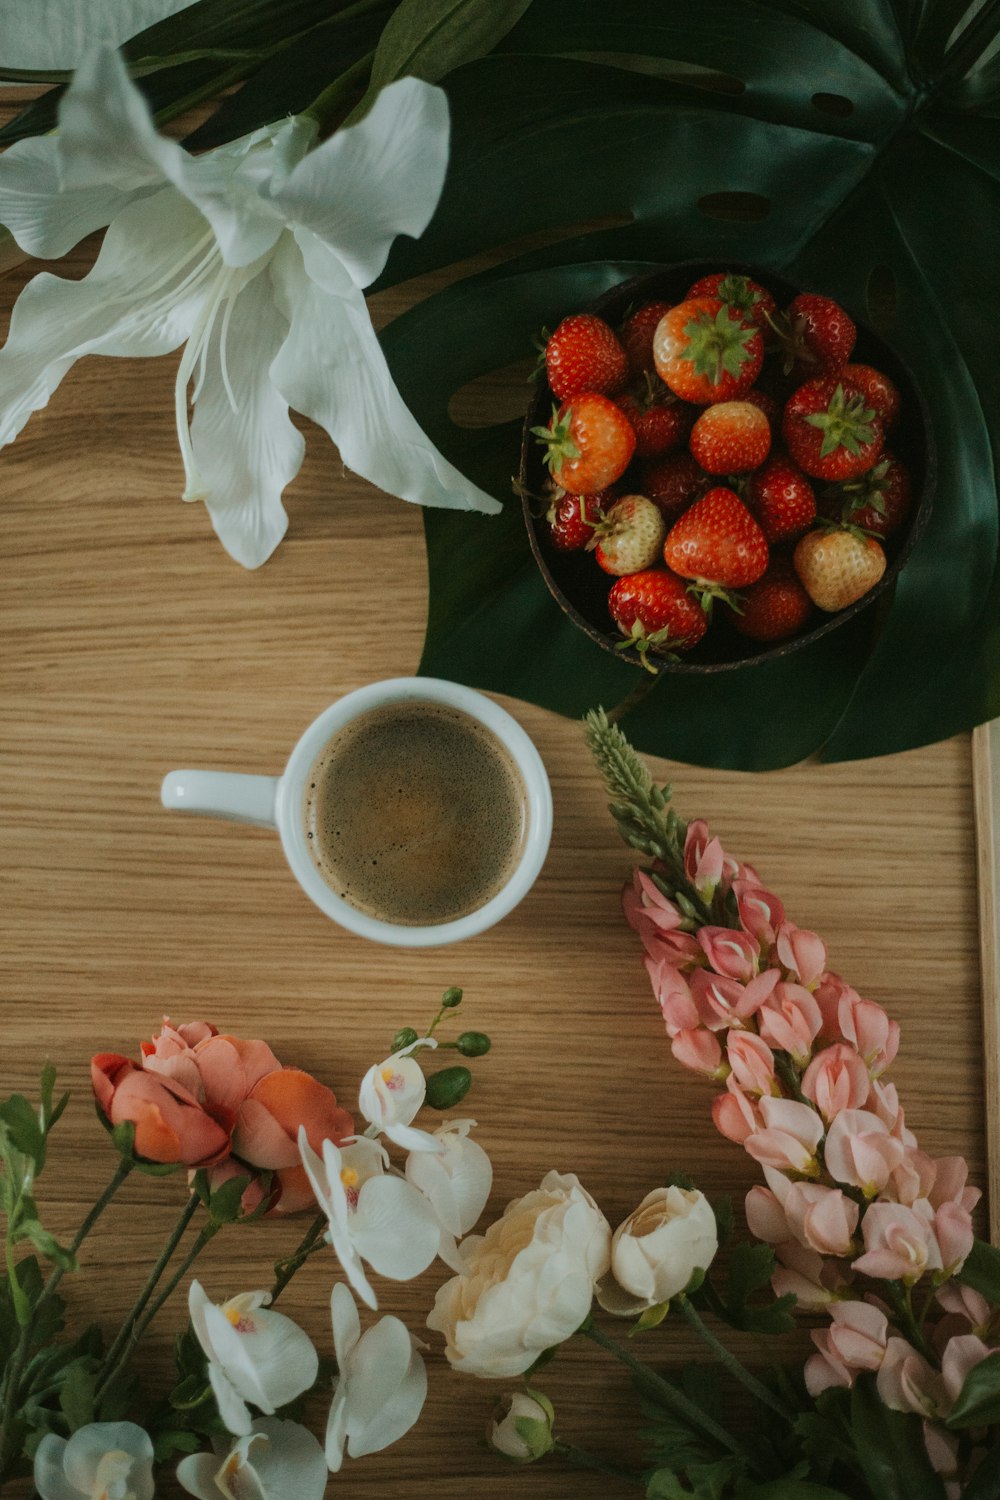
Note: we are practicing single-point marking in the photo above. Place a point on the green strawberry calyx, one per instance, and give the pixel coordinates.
(735, 290)
(558, 440)
(846, 423)
(718, 344)
(707, 592)
(644, 641)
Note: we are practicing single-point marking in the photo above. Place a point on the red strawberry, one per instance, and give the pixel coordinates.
(674, 482)
(717, 542)
(584, 354)
(661, 422)
(656, 612)
(768, 405)
(630, 536)
(731, 437)
(782, 500)
(589, 443)
(879, 501)
(704, 351)
(776, 607)
(830, 432)
(838, 567)
(573, 518)
(878, 390)
(817, 335)
(637, 335)
(752, 301)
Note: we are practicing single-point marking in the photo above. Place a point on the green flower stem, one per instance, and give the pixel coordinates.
(15, 1369)
(671, 1395)
(285, 1269)
(727, 1358)
(584, 1460)
(901, 1298)
(122, 1337)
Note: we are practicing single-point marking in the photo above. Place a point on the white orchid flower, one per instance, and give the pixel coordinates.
(275, 1461)
(100, 1461)
(253, 256)
(381, 1385)
(373, 1215)
(392, 1093)
(456, 1181)
(253, 1355)
(52, 35)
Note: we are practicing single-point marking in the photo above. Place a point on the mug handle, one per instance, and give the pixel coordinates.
(222, 794)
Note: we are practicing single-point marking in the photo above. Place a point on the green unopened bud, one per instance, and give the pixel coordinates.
(404, 1038)
(451, 998)
(446, 1088)
(522, 1427)
(473, 1043)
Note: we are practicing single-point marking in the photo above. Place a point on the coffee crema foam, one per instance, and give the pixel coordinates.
(416, 814)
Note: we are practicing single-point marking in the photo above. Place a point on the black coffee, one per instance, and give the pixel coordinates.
(416, 814)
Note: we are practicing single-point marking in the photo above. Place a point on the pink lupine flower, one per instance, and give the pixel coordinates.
(646, 908)
(835, 1080)
(752, 1062)
(942, 1450)
(815, 1282)
(911, 1181)
(899, 1244)
(856, 1340)
(829, 992)
(766, 1219)
(867, 1027)
(971, 1306)
(673, 995)
(681, 949)
(730, 953)
(725, 1002)
(860, 1151)
(790, 1138)
(704, 859)
(825, 1370)
(884, 1102)
(789, 1020)
(821, 1218)
(906, 1382)
(700, 1050)
(952, 1227)
(761, 913)
(803, 953)
(961, 1355)
(734, 1115)
(950, 1184)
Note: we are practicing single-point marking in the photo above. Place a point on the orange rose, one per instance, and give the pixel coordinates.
(170, 1123)
(267, 1128)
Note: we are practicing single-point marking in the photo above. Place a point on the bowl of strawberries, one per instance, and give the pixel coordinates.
(719, 468)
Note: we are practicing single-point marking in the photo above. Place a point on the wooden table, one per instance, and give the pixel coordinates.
(132, 644)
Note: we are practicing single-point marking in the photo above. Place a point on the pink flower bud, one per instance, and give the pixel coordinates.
(861, 1152)
(730, 953)
(789, 1020)
(704, 859)
(961, 1355)
(725, 1002)
(867, 1027)
(829, 993)
(681, 949)
(765, 1217)
(803, 954)
(733, 1115)
(835, 1080)
(954, 1234)
(646, 908)
(752, 1062)
(821, 1218)
(884, 1102)
(859, 1334)
(912, 1179)
(906, 1382)
(962, 1302)
(761, 914)
(815, 1282)
(673, 995)
(790, 1138)
(950, 1179)
(899, 1244)
(699, 1050)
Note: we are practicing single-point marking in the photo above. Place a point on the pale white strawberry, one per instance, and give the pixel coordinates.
(631, 536)
(838, 567)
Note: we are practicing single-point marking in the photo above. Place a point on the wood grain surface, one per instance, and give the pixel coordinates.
(132, 644)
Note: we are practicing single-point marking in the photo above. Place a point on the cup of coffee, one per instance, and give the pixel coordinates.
(414, 812)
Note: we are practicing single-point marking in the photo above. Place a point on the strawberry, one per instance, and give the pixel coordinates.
(774, 608)
(838, 567)
(782, 500)
(630, 536)
(661, 422)
(674, 482)
(589, 443)
(829, 431)
(718, 543)
(879, 501)
(573, 518)
(705, 352)
(752, 301)
(817, 335)
(878, 390)
(637, 335)
(731, 437)
(584, 354)
(654, 610)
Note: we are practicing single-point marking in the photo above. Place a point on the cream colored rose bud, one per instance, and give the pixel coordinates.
(522, 1429)
(658, 1248)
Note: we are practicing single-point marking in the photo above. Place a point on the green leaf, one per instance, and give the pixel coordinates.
(173, 1440)
(890, 1447)
(827, 112)
(985, 1481)
(224, 1204)
(46, 1244)
(978, 1403)
(76, 1394)
(703, 1481)
(19, 1124)
(981, 1270)
(428, 38)
(788, 1489)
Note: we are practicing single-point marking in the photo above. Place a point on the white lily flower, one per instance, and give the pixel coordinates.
(456, 1181)
(253, 256)
(373, 1216)
(381, 1385)
(253, 1355)
(100, 1461)
(275, 1461)
(392, 1093)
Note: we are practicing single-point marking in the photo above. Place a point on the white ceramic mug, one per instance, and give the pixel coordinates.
(279, 802)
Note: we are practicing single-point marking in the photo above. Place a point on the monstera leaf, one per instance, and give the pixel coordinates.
(851, 145)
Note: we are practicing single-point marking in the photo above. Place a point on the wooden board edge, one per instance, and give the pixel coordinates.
(986, 794)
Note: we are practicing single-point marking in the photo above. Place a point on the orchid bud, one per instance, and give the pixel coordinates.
(451, 998)
(522, 1428)
(473, 1043)
(404, 1038)
(448, 1087)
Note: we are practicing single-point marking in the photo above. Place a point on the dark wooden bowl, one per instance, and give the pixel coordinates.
(579, 586)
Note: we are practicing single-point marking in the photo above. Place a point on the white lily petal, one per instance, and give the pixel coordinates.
(50, 1476)
(43, 220)
(233, 1409)
(332, 369)
(118, 309)
(245, 457)
(377, 179)
(53, 34)
(106, 133)
(388, 1387)
(89, 1446)
(196, 1474)
(290, 1463)
(395, 1229)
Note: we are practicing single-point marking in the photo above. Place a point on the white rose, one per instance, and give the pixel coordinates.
(527, 1283)
(525, 1432)
(657, 1250)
